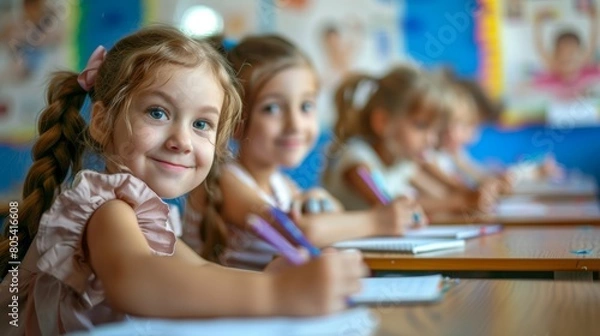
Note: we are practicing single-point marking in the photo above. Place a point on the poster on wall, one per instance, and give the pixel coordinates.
(32, 34)
(551, 62)
(33, 43)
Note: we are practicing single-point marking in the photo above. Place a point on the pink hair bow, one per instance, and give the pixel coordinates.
(87, 77)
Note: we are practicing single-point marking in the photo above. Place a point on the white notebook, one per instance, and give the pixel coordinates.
(563, 209)
(401, 244)
(570, 187)
(454, 231)
(353, 322)
(400, 290)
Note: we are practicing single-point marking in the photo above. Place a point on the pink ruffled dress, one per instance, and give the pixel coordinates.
(58, 291)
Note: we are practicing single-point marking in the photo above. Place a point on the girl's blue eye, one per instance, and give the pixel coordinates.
(201, 125)
(308, 106)
(156, 113)
(272, 108)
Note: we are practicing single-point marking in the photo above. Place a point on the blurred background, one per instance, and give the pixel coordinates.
(498, 43)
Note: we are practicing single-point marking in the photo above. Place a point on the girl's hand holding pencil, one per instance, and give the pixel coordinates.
(397, 215)
(320, 286)
(400, 215)
(330, 277)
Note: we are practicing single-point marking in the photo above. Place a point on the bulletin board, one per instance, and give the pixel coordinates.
(549, 61)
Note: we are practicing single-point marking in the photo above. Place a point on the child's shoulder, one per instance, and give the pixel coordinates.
(110, 186)
(73, 207)
(358, 149)
(357, 146)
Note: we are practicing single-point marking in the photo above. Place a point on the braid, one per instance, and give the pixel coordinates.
(57, 151)
(213, 230)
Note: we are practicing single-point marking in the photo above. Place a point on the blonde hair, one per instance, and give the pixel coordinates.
(403, 91)
(129, 67)
(256, 60)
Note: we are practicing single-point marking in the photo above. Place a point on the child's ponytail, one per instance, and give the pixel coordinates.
(348, 112)
(57, 151)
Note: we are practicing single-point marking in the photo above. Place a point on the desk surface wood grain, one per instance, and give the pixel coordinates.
(531, 213)
(500, 307)
(513, 249)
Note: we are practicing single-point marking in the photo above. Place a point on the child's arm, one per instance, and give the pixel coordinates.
(429, 185)
(137, 282)
(435, 172)
(481, 200)
(390, 220)
(184, 252)
(538, 40)
(471, 169)
(321, 229)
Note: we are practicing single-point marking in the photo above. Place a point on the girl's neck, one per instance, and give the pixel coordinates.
(384, 154)
(451, 149)
(260, 172)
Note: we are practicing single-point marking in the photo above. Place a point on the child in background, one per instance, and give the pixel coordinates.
(279, 128)
(163, 107)
(450, 162)
(389, 136)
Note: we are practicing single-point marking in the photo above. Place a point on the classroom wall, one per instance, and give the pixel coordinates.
(103, 22)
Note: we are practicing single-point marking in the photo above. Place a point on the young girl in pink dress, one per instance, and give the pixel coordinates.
(101, 248)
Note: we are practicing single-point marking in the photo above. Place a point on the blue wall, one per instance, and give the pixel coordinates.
(442, 32)
(575, 148)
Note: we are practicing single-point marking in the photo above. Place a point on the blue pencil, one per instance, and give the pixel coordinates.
(291, 228)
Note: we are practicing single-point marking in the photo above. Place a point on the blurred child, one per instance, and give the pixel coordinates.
(389, 136)
(278, 130)
(571, 65)
(163, 107)
(450, 162)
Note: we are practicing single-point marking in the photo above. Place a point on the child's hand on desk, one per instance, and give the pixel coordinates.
(506, 182)
(313, 201)
(484, 199)
(550, 169)
(398, 216)
(321, 286)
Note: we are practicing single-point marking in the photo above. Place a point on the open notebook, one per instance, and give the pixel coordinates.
(513, 208)
(354, 322)
(454, 231)
(401, 244)
(573, 186)
(400, 290)
(357, 321)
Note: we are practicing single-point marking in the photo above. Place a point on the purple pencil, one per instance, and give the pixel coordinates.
(271, 236)
(366, 177)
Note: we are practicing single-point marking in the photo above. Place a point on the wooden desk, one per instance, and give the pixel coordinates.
(540, 213)
(501, 307)
(584, 186)
(513, 249)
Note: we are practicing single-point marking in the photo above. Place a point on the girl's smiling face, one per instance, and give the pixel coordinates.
(168, 137)
(283, 126)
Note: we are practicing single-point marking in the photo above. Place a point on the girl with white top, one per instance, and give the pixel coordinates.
(390, 136)
(279, 127)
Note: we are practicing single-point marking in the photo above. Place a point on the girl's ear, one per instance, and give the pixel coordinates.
(380, 119)
(98, 119)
